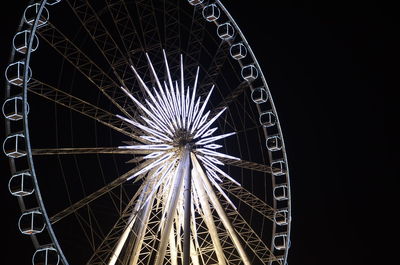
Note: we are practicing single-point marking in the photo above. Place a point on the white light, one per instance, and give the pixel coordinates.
(147, 147)
(153, 155)
(152, 165)
(151, 139)
(208, 161)
(213, 146)
(212, 174)
(213, 139)
(214, 160)
(153, 132)
(192, 100)
(209, 132)
(208, 124)
(214, 153)
(197, 119)
(168, 167)
(202, 120)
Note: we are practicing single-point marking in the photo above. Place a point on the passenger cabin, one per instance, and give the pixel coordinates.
(278, 167)
(15, 73)
(238, 51)
(211, 12)
(31, 222)
(249, 73)
(14, 145)
(47, 255)
(280, 241)
(12, 108)
(281, 217)
(281, 192)
(21, 184)
(259, 95)
(225, 31)
(21, 40)
(31, 13)
(267, 119)
(274, 143)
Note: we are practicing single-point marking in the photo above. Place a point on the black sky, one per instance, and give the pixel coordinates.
(330, 68)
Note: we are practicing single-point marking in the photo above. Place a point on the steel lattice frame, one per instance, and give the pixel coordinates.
(121, 49)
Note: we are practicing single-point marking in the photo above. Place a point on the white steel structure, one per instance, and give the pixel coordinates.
(152, 137)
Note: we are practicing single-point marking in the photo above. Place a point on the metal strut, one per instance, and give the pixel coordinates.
(188, 201)
(183, 170)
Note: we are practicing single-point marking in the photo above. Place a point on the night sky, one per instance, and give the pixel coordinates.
(330, 69)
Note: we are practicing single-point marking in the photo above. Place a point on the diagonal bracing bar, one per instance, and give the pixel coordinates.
(78, 59)
(100, 192)
(248, 198)
(103, 39)
(89, 110)
(248, 235)
(125, 26)
(246, 164)
(110, 248)
(91, 150)
(230, 98)
(148, 23)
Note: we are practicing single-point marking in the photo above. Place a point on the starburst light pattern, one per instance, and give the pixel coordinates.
(173, 119)
(177, 140)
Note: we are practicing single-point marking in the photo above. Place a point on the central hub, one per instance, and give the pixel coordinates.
(182, 137)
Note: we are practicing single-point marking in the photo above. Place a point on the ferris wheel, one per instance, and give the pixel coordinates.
(143, 132)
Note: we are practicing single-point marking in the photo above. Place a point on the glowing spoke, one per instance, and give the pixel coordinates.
(154, 133)
(191, 108)
(168, 167)
(209, 132)
(213, 146)
(213, 139)
(199, 116)
(167, 67)
(217, 154)
(153, 155)
(214, 160)
(163, 159)
(209, 162)
(151, 139)
(208, 124)
(151, 115)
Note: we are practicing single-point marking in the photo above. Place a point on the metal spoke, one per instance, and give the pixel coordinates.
(229, 99)
(246, 165)
(149, 239)
(148, 23)
(215, 66)
(248, 198)
(101, 37)
(102, 191)
(248, 235)
(131, 41)
(104, 249)
(125, 26)
(172, 39)
(233, 95)
(67, 49)
(194, 45)
(89, 150)
(89, 110)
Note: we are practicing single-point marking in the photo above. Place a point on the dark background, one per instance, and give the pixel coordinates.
(331, 67)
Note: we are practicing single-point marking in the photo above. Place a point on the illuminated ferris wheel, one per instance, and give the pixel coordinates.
(143, 132)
